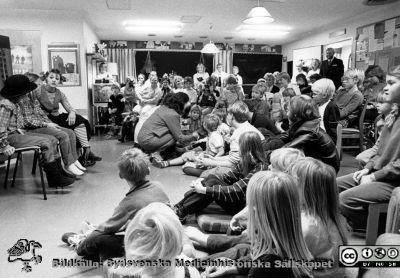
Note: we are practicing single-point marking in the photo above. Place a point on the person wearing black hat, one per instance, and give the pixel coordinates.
(11, 135)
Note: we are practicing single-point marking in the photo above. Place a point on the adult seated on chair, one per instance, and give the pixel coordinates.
(375, 183)
(11, 136)
(162, 130)
(305, 133)
(237, 119)
(323, 91)
(348, 97)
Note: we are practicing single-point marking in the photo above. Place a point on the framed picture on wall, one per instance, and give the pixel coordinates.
(65, 58)
(21, 57)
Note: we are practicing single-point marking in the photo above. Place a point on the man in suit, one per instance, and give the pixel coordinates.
(332, 68)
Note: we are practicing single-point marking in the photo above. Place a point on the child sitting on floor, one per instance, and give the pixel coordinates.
(189, 89)
(223, 128)
(154, 234)
(257, 103)
(194, 122)
(103, 242)
(206, 100)
(280, 108)
(214, 143)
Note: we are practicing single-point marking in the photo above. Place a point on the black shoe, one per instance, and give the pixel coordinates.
(86, 162)
(94, 157)
(122, 140)
(181, 215)
(54, 176)
(64, 171)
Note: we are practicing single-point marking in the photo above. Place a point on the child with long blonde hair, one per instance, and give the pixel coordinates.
(274, 227)
(155, 233)
(324, 229)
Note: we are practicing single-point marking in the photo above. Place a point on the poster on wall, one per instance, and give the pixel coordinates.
(21, 59)
(65, 58)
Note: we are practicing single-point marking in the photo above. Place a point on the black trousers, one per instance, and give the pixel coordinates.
(99, 246)
(194, 202)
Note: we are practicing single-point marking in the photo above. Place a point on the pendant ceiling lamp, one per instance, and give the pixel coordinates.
(210, 48)
(258, 15)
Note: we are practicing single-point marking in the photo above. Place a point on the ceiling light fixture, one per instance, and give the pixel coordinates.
(153, 26)
(210, 48)
(263, 34)
(263, 31)
(258, 15)
(153, 29)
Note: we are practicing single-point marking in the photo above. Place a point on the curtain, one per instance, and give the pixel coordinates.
(125, 58)
(225, 57)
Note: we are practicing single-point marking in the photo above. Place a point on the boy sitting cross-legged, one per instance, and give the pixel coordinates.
(103, 242)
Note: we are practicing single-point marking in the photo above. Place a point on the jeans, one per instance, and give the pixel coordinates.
(99, 246)
(354, 199)
(67, 140)
(47, 144)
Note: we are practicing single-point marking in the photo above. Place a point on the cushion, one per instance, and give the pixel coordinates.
(214, 219)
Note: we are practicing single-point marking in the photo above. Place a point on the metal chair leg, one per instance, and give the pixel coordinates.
(7, 171)
(35, 158)
(16, 169)
(37, 155)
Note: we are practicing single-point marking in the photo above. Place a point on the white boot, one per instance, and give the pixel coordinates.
(74, 170)
(79, 166)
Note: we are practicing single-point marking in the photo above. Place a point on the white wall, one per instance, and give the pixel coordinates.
(322, 37)
(56, 27)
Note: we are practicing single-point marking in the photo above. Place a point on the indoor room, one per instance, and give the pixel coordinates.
(160, 138)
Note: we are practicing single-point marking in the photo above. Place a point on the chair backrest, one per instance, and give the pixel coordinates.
(339, 140)
(376, 135)
(363, 110)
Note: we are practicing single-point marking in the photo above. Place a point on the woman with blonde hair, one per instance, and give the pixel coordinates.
(154, 234)
(274, 228)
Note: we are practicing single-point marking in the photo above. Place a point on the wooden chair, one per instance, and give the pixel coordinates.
(354, 133)
(339, 140)
(374, 214)
(36, 161)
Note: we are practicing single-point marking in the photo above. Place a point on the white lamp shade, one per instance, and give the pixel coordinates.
(210, 48)
(258, 15)
(112, 68)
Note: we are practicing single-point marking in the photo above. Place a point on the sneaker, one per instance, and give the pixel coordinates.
(156, 156)
(73, 239)
(160, 164)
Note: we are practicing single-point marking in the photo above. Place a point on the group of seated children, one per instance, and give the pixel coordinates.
(280, 218)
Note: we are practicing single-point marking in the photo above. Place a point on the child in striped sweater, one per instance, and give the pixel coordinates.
(229, 191)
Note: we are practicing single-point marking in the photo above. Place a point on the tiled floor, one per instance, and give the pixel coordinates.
(24, 213)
